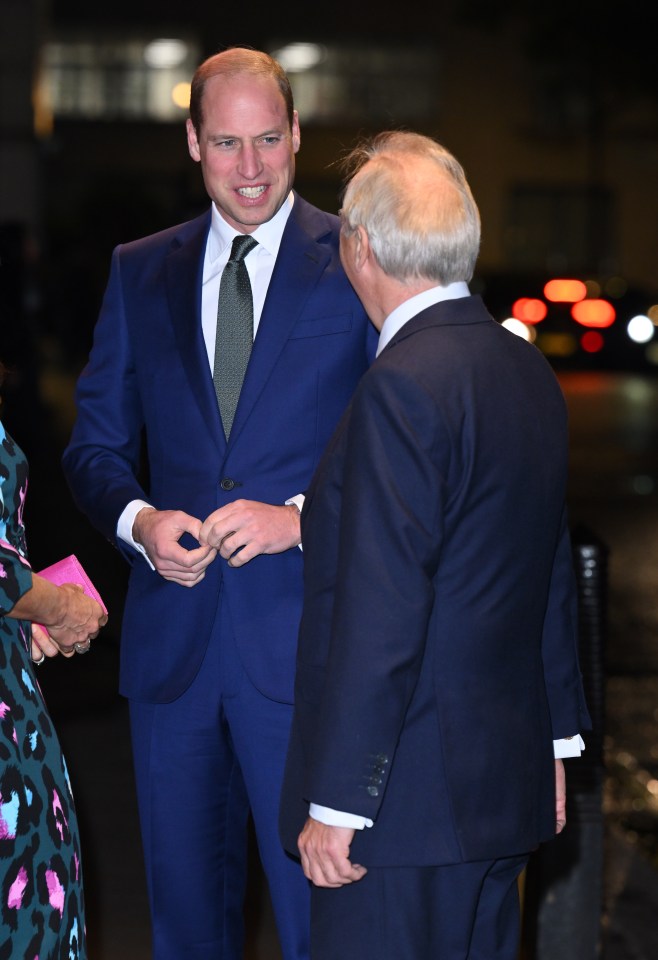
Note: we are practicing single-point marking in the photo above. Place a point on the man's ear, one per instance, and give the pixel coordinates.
(296, 137)
(362, 248)
(192, 141)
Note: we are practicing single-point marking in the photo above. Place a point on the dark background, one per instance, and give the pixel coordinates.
(553, 112)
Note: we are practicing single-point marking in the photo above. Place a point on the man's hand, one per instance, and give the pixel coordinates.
(244, 529)
(325, 855)
(560, 797)
(159, 531)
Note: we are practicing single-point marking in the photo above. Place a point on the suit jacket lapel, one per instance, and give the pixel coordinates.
(184, 271)
(299, 265)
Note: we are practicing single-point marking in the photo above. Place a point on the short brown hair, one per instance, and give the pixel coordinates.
(234, 62)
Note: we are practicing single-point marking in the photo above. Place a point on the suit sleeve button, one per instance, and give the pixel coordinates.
(226, 483)
(373, 791)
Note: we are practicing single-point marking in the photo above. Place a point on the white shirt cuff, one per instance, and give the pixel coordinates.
(298, 501)
(337, 818)
(568, 747)
(125, 527)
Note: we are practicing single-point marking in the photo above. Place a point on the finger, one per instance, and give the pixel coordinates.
(66, 650)
(174, 524)
(316, 872)
(178, 572)
(42, 644)
(223, 523)
(328, 873)
(192, 526)
(241, 556)
(200, 556)
(174, 578)
(344, 871)
(197, 559)
(48, 650)
(230, 544)
(181, 573)
(37, 655)
(224, 539)
(214, 527)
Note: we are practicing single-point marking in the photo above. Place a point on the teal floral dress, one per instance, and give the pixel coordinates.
(41, 897)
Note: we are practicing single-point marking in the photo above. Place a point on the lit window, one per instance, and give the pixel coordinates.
(118, 79)
(361, 84)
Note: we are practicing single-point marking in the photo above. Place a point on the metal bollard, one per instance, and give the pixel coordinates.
(563, 889)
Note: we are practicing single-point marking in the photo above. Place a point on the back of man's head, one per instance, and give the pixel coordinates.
(412, 198)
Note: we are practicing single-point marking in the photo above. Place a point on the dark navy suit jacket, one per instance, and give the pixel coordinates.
(148, 374)
(438, 647)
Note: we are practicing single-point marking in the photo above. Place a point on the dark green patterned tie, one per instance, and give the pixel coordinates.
(235, 330)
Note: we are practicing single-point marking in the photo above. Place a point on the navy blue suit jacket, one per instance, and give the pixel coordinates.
(437, 655)
(148, 374)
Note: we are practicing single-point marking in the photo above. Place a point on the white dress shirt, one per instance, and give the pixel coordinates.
(260, 266)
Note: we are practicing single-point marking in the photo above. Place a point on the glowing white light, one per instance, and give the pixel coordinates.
(161, 54)
(519, 328)
(296, 57)
(640, 329)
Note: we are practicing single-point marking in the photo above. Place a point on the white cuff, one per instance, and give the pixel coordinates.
(568, 747)
(336, 818)
(297, 501)
(125, 527)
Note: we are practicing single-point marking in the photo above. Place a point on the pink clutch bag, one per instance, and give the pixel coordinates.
(70, 570)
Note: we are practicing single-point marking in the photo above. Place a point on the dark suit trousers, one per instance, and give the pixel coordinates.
(467, 911)
(201, 763)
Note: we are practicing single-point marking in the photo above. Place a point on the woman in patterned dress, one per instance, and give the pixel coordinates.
(41, 894)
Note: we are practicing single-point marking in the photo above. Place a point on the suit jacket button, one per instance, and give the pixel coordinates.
(226, 483)
(373, 791)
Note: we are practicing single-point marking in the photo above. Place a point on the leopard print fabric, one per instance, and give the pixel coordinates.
(41, 895)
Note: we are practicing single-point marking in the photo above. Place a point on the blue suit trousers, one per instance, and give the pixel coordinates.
(202, 762)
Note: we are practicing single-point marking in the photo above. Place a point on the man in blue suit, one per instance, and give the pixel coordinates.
(214, 597)
(437, 670)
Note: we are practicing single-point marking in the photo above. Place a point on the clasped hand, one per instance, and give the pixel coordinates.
(238, 532)
(78, 620)
(325, 855)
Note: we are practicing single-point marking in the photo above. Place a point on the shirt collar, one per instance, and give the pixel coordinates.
(414, 305)
(268, 234)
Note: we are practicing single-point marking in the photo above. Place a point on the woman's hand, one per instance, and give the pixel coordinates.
(79, 620)
(44, 646)
(64, 619)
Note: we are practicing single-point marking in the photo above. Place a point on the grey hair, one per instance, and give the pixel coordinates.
(421, 220)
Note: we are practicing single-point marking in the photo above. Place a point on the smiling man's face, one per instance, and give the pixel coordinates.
(246, 148)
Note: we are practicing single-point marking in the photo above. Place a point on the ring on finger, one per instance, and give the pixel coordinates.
(225, 537)
(40, 660)
(82, 647)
